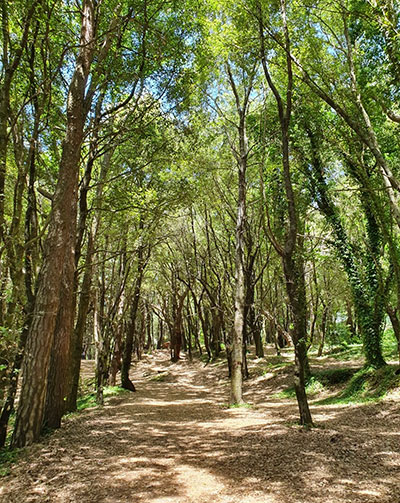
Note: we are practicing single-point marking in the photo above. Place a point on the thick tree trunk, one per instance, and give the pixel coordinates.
(57, 250)
(84, 298)
(59, 371)
(30, 260)
(366, 290)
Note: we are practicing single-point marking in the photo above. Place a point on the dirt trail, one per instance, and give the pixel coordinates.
(174, 442)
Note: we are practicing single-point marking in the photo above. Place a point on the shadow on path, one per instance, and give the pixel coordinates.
(174, 441)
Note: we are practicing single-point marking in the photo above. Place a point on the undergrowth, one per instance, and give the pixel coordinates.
(238, 406)
(358, 386)
(321, 380)
(366, 385)
(389, 345)
(162, 377)
(345, 352)
(87, 400)
(7, 458)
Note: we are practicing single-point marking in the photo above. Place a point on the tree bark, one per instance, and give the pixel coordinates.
(291, 251)
(77, 338)
(394, 318)
(57, 249)
(59, 371)
(128, 346)
(236, 353)
(323, 329)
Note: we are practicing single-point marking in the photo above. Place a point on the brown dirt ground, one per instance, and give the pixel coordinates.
(174, 441)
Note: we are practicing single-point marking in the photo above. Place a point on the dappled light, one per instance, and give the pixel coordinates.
(199, 251)
(178, 441)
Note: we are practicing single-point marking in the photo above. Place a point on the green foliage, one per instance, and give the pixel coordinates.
(163, 159)
(333, 377)
(161, 377)
(340, 335)
(7, 459)
(346, 352)
(321, 381)
(239, 406)
(366, 385)
(276, 363)
(363, 385)
(389, 345)
(88, 400)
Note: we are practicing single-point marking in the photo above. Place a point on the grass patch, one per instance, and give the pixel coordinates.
(366, 385)
(319, 381)
(360, 386)
(7, 458)
(273, 364)
(244, 405)
(239, 406)
(276, 363)
(345, 352)
(333, 377)
(389, 345)
(88, 400)
(159, 377)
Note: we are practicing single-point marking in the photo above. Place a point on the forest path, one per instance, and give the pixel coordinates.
(173, 441)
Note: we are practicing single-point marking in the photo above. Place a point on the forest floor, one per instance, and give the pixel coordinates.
(176, 441)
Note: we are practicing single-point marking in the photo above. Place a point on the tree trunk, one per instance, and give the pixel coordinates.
(240, 291)
(10, 61)
(323, 330)
(204, 328)
(394, 318)
(366, 290)
(57, 248)
(59, 371)
(177, 334)
(31, 253)
(126, 383)
(291, 250)
(295, 284)
(98, 340)
(79, 331)
(116, 358)
(160, 334)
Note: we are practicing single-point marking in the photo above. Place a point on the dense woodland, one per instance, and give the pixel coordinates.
(208, 176)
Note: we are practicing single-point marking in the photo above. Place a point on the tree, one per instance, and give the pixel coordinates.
(291, 251)
(59, 249)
